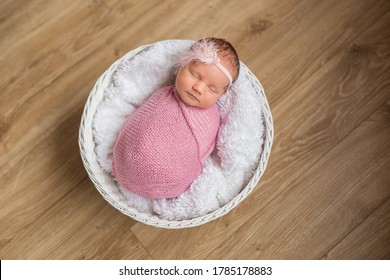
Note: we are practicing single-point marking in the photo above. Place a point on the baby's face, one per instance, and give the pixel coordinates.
(200, 85)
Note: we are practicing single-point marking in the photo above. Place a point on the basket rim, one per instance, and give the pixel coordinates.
(97, 175)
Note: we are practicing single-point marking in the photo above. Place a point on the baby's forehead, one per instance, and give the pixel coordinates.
(200, 68)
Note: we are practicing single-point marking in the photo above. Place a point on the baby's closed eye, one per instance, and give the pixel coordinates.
(213, 90)
(195, 75)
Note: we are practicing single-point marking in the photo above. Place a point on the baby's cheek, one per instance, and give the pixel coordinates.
(209, 101)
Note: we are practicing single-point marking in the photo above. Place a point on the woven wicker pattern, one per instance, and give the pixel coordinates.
(105, 184)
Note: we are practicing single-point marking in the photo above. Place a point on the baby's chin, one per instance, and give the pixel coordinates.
(194, 103)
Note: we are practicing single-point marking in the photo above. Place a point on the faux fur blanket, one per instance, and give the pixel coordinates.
(239, 145)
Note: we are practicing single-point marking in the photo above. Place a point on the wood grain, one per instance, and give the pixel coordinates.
(372, 233)
(325, 66)
(341, 197)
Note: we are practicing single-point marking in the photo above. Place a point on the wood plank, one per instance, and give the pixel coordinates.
(369, 241)
(42, 177)
(309, 121)
(106, 236)
(80, 226)
(320, 208)
(275, 52)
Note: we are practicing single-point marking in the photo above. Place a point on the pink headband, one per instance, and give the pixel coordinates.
(206, 52)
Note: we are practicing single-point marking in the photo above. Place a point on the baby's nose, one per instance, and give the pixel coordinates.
(198, 88)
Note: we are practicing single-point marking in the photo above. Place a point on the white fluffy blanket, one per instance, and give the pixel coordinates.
(240, 139)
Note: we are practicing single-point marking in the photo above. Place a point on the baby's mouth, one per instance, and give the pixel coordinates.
(193, 96)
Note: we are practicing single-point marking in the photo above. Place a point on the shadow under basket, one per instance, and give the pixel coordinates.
(104, 181)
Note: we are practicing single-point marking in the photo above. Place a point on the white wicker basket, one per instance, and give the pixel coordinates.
(103, 181)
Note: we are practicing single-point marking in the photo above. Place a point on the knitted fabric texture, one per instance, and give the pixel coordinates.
(163, 144)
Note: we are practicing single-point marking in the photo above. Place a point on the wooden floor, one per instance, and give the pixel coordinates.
(325, 66)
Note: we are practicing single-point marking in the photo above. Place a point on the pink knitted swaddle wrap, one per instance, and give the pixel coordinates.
(163, 144)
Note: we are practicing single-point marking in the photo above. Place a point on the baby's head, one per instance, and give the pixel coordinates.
(206, 71)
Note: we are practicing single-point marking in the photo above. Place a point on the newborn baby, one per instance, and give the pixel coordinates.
(163, 144)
